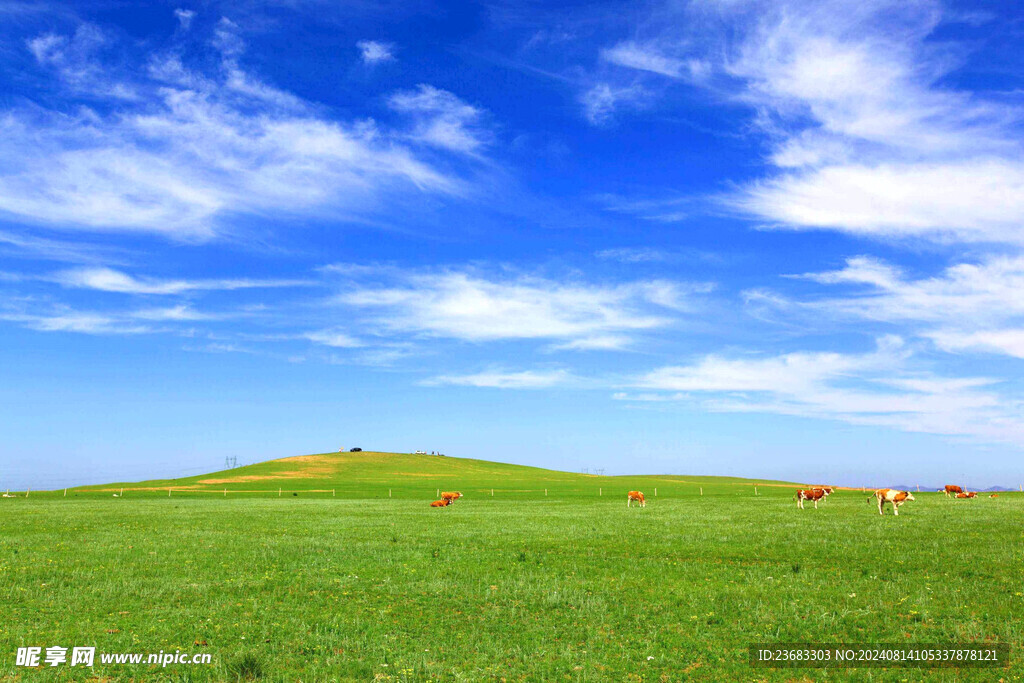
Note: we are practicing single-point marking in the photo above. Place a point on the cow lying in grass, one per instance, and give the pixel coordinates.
(994, 495)
(809, 494)
(893, 496)
(967, 494)
(451, 496)
(635, 496)
(440, 503)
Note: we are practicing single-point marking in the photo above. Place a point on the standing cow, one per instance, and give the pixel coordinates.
(951, 489)
(809, 494)
(893, 496)
(637, 496)
(451, 496)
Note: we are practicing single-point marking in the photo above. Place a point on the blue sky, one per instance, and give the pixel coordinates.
(711, 237)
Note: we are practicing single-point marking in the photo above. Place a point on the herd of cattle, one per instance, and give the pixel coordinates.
(882, 496)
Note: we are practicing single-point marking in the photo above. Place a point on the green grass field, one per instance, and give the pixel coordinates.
(340, 582)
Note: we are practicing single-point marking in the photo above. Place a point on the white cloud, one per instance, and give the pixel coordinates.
(109, 280)
(644, 58)
(527, 379)
(604, 342)
(869, 130)
(866, 389)
(602, 101)
(1009, 342)
(788, 373)
(442, 119)
(871, 143)
(968, 307)
(633, 255)
(954, 200)
(184, 17)
(975, 294)
(471, 307)
(333, 338)
(191, 150)
(374, 52)
(174, 313)
(80, 322)
(57, 250)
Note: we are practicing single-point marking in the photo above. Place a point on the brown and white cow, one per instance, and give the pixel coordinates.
(451, 496)
(440, 503)
(967, 494)
(994, 495)
(950, 489)
(893, 496)
(637, 496)
(809, 494)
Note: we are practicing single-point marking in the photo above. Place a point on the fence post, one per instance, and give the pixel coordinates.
(278, 493)
(168, 491)
(702, 490)
(389, 493)
(492, 493)
(545, 492)
(655, 491)
(225, 493)
(122, 493)
(334, 493)
(600, 492)
(755, 490)
(438, 493)
(27, 491)
(65, 493)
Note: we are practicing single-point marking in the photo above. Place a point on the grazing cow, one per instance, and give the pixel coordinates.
(994, 495)
(893, 496)
(451, 496)
(809, 494)
(635, 496)
(951, 488)
(440, 503)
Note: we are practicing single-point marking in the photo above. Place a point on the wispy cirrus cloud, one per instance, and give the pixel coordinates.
(64, 320)
(866, 134)
(601, 101)
(442, 120)
(498, 379)
(867, 139)
(474, 307)
(879, 388)
(649, 58)
(968, 307)
(110, 280)
(178, 150)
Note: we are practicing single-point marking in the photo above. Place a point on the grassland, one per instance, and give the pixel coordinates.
(571, 586)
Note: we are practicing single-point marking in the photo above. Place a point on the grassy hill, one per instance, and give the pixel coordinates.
(405, 475)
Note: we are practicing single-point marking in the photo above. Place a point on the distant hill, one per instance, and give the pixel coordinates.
(904, 487)
(378, 474)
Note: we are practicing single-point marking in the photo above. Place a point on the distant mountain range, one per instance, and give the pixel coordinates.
(993, 489)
